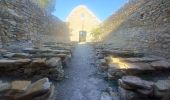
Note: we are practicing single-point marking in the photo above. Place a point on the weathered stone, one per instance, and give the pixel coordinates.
(4, 86)
(105, 96)
(20, 86)
(17, 55)
(161, 87)
(146, 27)
(13, 13)
(62, 56)
(123, 53)
(61, 51)
(145, 92)
(47, 96)
(108, 59)
(129, 95)
(103, 62)
(24, 90)
(38, 88)
(141, 59)
(37, 62)
(123, 85)
(10, 63)
(137, 83)
(127, 67)
(145, 67)
(54, 62)
(161, 64)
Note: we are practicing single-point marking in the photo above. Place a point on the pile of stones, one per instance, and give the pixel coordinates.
(37, 62)
(135, 88)
(27, 90)
(129, 68)
(117, 63)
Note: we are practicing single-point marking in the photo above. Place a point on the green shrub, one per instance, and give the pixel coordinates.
(96, 33)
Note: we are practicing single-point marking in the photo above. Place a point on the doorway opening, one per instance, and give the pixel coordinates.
(82, 36)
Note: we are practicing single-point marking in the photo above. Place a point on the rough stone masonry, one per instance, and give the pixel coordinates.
(141, 24)
(23, 20)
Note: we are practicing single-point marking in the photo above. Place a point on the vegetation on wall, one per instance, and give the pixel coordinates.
(47, 4)
(96, 33)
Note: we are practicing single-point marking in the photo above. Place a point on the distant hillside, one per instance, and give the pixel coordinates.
(142, 25)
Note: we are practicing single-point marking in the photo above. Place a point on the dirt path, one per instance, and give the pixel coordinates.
(81, 83)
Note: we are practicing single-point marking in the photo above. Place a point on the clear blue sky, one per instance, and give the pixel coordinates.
(101, 8)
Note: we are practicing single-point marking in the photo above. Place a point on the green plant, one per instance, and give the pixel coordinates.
(47, 4)
(96, 33)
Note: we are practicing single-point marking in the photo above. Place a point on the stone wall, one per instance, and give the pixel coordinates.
(144, 28)
(23, 20)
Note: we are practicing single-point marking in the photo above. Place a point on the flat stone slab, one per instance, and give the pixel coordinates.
(4, 86)
(136, 82)
(125, 66)
(10, 63)
(36, 62)
(142, 59)
(161, 87)
(17, 55)
(20, 86)
(39, 87)
(123, 53)
(145, 66)
(54, 62)
(161, 64)
(24, 90)
(35, 50)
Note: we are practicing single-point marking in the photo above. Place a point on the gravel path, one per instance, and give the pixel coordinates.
(81, 81)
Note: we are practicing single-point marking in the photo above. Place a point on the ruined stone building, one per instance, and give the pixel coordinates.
(81, 19)
(39, 62)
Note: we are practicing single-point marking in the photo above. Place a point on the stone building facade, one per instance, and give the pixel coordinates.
(81, 19)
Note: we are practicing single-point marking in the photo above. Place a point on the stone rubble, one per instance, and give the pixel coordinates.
(34, 62)
(143, 88)
(127, 66)
(27, 90)
(129, 62)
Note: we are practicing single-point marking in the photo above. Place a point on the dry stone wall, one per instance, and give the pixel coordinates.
(23, 20)
(146, 28)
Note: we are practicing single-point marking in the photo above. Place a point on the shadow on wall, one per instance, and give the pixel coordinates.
(114, 22)
(141, 25)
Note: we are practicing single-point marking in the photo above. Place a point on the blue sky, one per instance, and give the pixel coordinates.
(101, 8)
